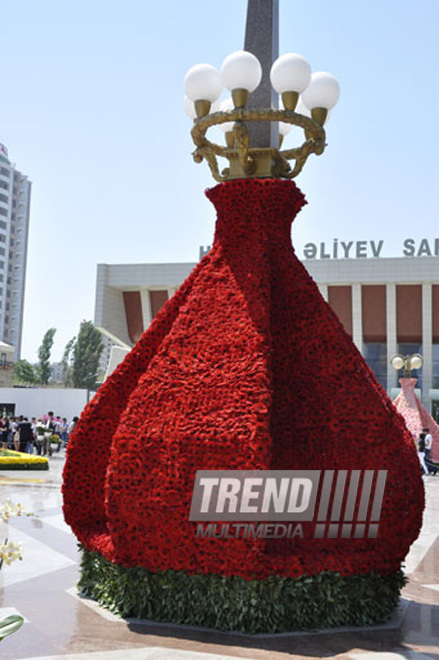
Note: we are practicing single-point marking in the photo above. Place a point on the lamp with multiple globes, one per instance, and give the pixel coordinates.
(307, 101)
(406, 362)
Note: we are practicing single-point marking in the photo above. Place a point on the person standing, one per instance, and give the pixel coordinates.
(63, 429)
(431, 467)
(72, 426)
(40, 430)
(50, 427)
(421, 452)
(25, 435)
(6, 431)
(15, 439)
(33, 422)
(428, 443)
(3, 433)
(57, 431)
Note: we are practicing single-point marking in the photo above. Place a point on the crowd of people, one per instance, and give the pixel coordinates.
(35, 435)
(38, 436)
(425, 442)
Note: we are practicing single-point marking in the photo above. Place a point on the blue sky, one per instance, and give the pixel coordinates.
(91, 110)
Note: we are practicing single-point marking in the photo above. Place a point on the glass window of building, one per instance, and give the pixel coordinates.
(373, 305)
(375, 354)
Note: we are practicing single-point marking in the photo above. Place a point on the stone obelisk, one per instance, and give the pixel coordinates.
(262, 39)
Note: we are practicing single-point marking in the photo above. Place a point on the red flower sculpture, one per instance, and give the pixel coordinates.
(415, 415)
(246, 367)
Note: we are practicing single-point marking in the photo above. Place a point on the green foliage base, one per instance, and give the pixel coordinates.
(273, 605)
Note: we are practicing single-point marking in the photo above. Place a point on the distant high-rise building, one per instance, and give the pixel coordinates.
(105, 355)
(15, 193)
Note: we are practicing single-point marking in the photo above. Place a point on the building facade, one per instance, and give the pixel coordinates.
(15, 195)
(6, 364)
(387, 306)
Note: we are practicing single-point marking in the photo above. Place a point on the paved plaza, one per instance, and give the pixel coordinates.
(59, 624)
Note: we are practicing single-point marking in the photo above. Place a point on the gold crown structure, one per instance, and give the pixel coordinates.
(307, 100)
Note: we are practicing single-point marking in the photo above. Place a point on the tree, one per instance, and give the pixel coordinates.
(44, 356)
(87, 351)
(25, 373)
(67, 362)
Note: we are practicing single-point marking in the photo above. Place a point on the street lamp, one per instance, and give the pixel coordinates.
(314, 95)
(406, 362)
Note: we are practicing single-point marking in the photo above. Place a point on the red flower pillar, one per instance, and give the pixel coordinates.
(246, 367)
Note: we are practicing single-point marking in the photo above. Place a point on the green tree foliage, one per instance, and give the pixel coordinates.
(44, 356)
(25, 373)
(67, 362)
(86, 353)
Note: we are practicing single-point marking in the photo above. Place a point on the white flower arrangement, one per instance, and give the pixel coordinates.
(9, 509)
(10, 552)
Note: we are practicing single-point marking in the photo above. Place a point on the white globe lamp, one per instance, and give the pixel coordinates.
(321, 95)
(284, 129)
(416, 361)
(226, 106)
(290, 75)
(241, 73)
(301, 108)
(189, 108)
(397, 362)
(227, 127)
(202, 85)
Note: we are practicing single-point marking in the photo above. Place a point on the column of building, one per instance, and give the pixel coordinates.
(427, 344)
(392, 342)
(357, 317)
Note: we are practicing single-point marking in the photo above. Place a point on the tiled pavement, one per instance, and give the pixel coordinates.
(58, 624)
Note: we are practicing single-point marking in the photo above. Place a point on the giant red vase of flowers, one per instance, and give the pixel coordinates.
(246, 367)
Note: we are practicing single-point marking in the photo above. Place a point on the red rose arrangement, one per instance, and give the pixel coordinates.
(247, 368)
